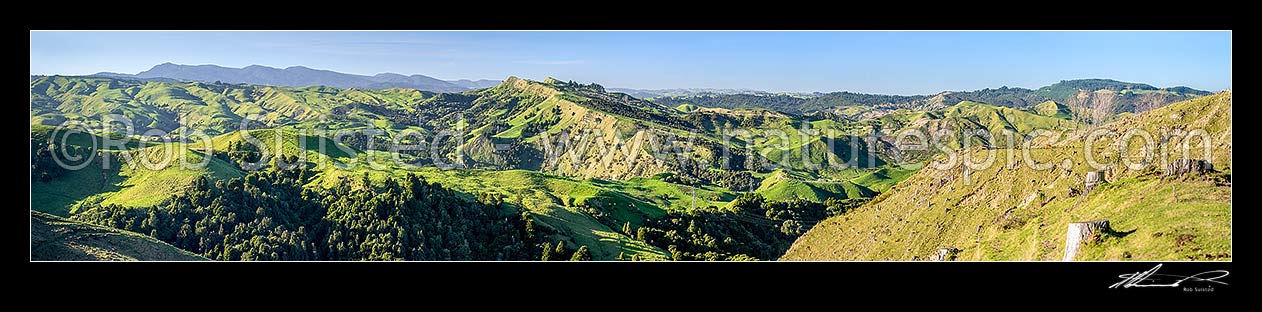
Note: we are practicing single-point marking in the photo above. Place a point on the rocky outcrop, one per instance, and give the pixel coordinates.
(1080, 232)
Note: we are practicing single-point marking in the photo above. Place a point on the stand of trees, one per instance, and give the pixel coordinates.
(44, 167)
(693, 173)
(269, 215)
(240, 153)
(753, 228)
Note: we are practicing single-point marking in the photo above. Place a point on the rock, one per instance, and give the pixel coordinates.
(945, 254)
(1081, 231)
(1182, 167)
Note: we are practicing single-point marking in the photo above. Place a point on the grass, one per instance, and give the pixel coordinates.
(1020, 213)
(545, 196)
(883, 179)
(780, 186)
(281, 141)
(57, 239)
(668, 195)
(58, 196)
(144, 186)
(127, 183)
(1153, 214)
(1052, 109)
(116, 176)
(1011, 211)
(997, 118)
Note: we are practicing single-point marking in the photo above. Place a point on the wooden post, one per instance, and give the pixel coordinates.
(1094, 178)
(1080, 231)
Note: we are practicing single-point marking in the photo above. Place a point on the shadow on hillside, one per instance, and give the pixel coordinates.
(1121, 234)
(57, 196)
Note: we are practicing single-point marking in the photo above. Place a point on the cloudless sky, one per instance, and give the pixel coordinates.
(869, 62)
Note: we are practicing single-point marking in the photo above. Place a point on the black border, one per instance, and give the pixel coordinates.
(851, 15)
(1049, 282)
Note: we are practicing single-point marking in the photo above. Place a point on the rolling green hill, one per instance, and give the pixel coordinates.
(950, 125)
(132, 176)
(518, 124)
(215, 108)
(145, 186)
(1052, 109)
(883, 179)
(780, 186)
(311, 147)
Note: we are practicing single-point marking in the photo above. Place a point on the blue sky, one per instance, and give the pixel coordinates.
(870, 62)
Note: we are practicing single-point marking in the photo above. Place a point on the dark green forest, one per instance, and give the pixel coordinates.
(753, 229)
(268, 215)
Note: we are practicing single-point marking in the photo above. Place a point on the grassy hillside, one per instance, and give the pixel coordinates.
(1197, 121)
(883, 179)
(134, 175)
(144, 186)
(57, 239)
(556, 202)
(289, 142)
(1011, 211)
(125, 183)
(953, 123)
(780, 186)
(1052, 109)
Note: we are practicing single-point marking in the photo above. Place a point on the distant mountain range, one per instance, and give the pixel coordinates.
(654, 93)
(299, 76)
